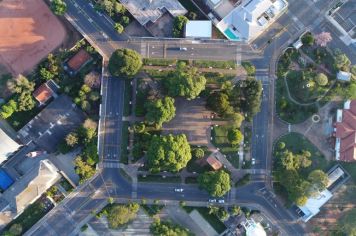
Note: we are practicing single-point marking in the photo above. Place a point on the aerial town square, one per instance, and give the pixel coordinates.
(178, 117)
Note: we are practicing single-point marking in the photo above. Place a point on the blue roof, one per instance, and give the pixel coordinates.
(5, 180)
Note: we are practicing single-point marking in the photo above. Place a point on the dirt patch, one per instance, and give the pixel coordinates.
(29, 31)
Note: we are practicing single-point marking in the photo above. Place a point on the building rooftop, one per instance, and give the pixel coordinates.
(52, 124)
(198, 29)
(146, 11)
(345, 145)
(79, 60)
(214, 163)
(7, 146)
(43, 93)
(343, 76)
(26, 190)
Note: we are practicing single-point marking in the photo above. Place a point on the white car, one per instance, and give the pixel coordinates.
(221, 201)
(212, 200)
(178, 190)
(183, 49)
(253, 161)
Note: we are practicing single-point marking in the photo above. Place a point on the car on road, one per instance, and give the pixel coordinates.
(212, 200)
(91, 5)
(179, 190)
(253, 161)
(221, 201)
(183, 49)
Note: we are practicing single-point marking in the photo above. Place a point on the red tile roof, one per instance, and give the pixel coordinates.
(346, 132)
(79, 59)
(43, 93)
(214, 163)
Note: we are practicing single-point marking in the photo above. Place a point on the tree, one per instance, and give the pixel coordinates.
(249, 67)
(21, 84)
(236, 119)
(92, 79)
(308, 39)
(353, 71)
(185, 82)
(119, 28)
(88, 130)
(125, 21)
(160, 110)
(235, 210)
(119, 215)
(8, 109)
(192, 15)
(90, 153)
(318, 179)
(346, 224)
(219, 102)
(108, 6)
(199, 153)
(216, 183)
(59, 7)
(72, 139)
(170, 153)
(25, 101)
(119, 8)
(15, 229)
(84, 170)
(178, 26)
(125, 63)
(281, 145)
(234, 136)
(222, 214)
(323, 39)
(160, 228)
(46, 74)
(139, 127)
(342, 62)
(321, 79)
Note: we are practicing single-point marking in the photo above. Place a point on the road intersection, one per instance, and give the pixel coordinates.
(78, 207)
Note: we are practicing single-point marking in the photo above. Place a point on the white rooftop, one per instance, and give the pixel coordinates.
(313, 204)
(343, 76)
(198, 29)
(7, 146)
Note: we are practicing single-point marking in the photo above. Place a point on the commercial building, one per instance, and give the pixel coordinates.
(7, 146)
(247, 19)
(198, 29)
(345, 132)
(27, 190)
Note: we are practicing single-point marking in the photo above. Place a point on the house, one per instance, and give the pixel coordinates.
(78, 61)
(337, 176)
(7, 146)
(27, 190)
(343, 76)
(52, 124)
(198, 29)
(345, 132)
(45, 92)
(214, 163)
(250, 18)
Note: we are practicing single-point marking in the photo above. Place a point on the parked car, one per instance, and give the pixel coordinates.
(253, 161)
(221, 201)
(212, 200)
(183, 49)
(179, 190)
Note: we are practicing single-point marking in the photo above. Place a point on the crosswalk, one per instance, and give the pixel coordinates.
(112, 165)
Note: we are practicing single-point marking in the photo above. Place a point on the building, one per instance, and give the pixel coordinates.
(149, 11)
(198, 29)
(78, 61)
(5, 180)
(214, 163)
(45, 92)
(250, 18)
(27, 190)
(345, 132)
(52, 124)
(343, 76)
(7, 146)
(253, 228)
(337, 176)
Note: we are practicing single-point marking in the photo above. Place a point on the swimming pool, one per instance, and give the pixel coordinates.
(231, 35)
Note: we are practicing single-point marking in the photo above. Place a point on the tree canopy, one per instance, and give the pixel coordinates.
(170, 153)
(178, 26)
(160, 228)
(185, 82)
(308, 39)
(235, 136)
(219, 102)
(216, 183)
(59, 7)
(346, 224)
(160, 110)
(321, 79)
(119, 215)
(125, 63)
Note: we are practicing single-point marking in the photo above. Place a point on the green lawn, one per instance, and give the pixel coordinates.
(219, 134)
(159, 179)
(215, 64)
(320, 55)
(152, 210)
(124, 142)
(296, 143)
(20, 118)
(211, 219)
(159, 62)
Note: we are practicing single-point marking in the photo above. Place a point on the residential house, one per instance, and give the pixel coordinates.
(45, 92)
(78, 61)
(345, 132)
(27, 190)
(214, 163)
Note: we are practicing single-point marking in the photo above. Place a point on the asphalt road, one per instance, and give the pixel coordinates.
(67, 217)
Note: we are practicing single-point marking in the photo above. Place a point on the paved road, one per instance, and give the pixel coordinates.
(66, 218)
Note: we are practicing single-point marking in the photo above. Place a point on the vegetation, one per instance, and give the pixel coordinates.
(59, 7)
(215, 64)
(119, 215)
(342, 62)
(119, 28)
(185, 82)
(308, 39)
(125, 63)
(220, 140)
(212, 219)
(178, 26)
(235, 136)
(199, 153)
(216, 183)
(170, 153)
(346, 225)
(159, 228)
(160, 111)
(249, 67)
